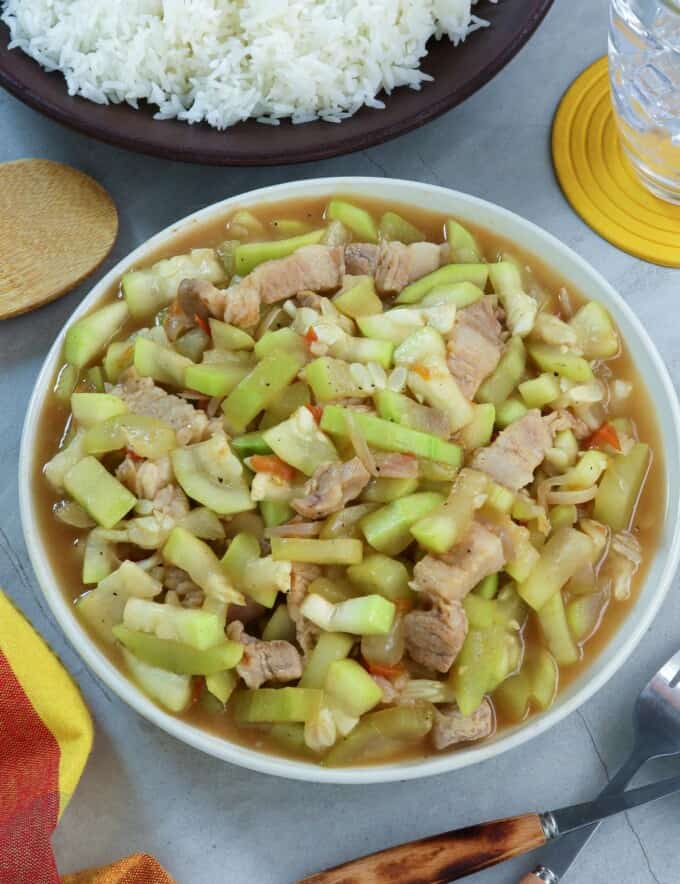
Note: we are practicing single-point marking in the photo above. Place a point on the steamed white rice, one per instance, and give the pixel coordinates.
(223, 61)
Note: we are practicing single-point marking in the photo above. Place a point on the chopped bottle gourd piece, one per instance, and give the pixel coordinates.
(275, 512)
(381, 574)
(55, 470)
(178, 657)
(148, 291)
(151, 360)
(367, 615)
(192, 555)
(456, 294)
(388, 436)
(248, 255)
(379, 733)
(95, 378)
(541, 391)
(222, 684)
(279, 627)
(292, 398)
(168, 688)
(276, 704)
(283, 340)
(193, 626)
(488, 587)
(88, 337)
(463, 247)
(480, 667)
(595, 331)
(477, 274)
(250, 443)
(478, 433)
(331, 379)
(209, 473)
(561, 557)
(385, 490)
(507, 375)
(349, 686)
(299, 442)
(260, 578)
(99, 558)
(388, 529)
(192, 344)
(341, 551)
(258, 388)
(619, 490)
(520, 308)
(358, 220)
(584, 614)
(400, 409)
(214, 379)
(119, 356)
(345, 523)
(357, 297)
(394, 228)
(67, 381)
(509, 411)
(567, 365)
(331, 646)
(229, 337)
(147, 437)
(103, 606)
(552, 619)
(440, 529)
(98, 492)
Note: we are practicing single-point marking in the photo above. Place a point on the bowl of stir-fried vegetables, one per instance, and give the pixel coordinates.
(351, 490)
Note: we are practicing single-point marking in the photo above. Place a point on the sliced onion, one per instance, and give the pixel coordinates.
(296, 529)
(561, 498)
(363, 452)
(72, 513)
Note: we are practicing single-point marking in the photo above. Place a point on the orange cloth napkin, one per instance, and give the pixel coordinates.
(45, 739)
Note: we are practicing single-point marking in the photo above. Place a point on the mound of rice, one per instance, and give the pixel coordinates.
(223, 61)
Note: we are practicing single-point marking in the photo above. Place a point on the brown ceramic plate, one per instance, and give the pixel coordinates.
(458, 73)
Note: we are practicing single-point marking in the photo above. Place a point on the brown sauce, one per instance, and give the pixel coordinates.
(62, 542)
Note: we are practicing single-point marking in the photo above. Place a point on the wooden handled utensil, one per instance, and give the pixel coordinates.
(56, 226)
(453, 855)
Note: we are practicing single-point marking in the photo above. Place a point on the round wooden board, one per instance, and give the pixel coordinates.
(56, 226)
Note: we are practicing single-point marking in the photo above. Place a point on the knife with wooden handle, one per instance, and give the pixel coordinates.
(453, 855)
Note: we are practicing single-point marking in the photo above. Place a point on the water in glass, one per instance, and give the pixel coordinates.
(644, 66)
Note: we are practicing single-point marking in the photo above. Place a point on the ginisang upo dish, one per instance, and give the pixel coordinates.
(348, 482)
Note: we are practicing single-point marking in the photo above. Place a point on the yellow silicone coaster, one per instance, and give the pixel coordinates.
(598, 180)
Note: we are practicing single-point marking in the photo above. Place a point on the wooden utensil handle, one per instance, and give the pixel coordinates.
(441, 858)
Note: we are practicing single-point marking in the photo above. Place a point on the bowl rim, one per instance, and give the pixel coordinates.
(253, 759)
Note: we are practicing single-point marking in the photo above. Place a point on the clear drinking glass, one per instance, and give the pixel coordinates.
(644, 68)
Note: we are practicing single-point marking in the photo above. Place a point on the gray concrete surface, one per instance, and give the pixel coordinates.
(209, 822)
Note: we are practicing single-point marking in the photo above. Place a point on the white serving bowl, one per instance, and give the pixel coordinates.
(576, 272)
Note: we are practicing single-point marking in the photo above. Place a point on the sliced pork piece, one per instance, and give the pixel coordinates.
(475, 345)
(434, 638)
(454, 574)
(331, 487)
(516, 453)
(142, 396)
(242, 304)
(451, 726)
(361, 259)
(301, 576)
(198, 297)
(390, 465)
(264, 661)
(145, 478)
(171, 501)
(398, 265)
(313, 268)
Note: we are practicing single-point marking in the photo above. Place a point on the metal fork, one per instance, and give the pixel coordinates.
(656, 723)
